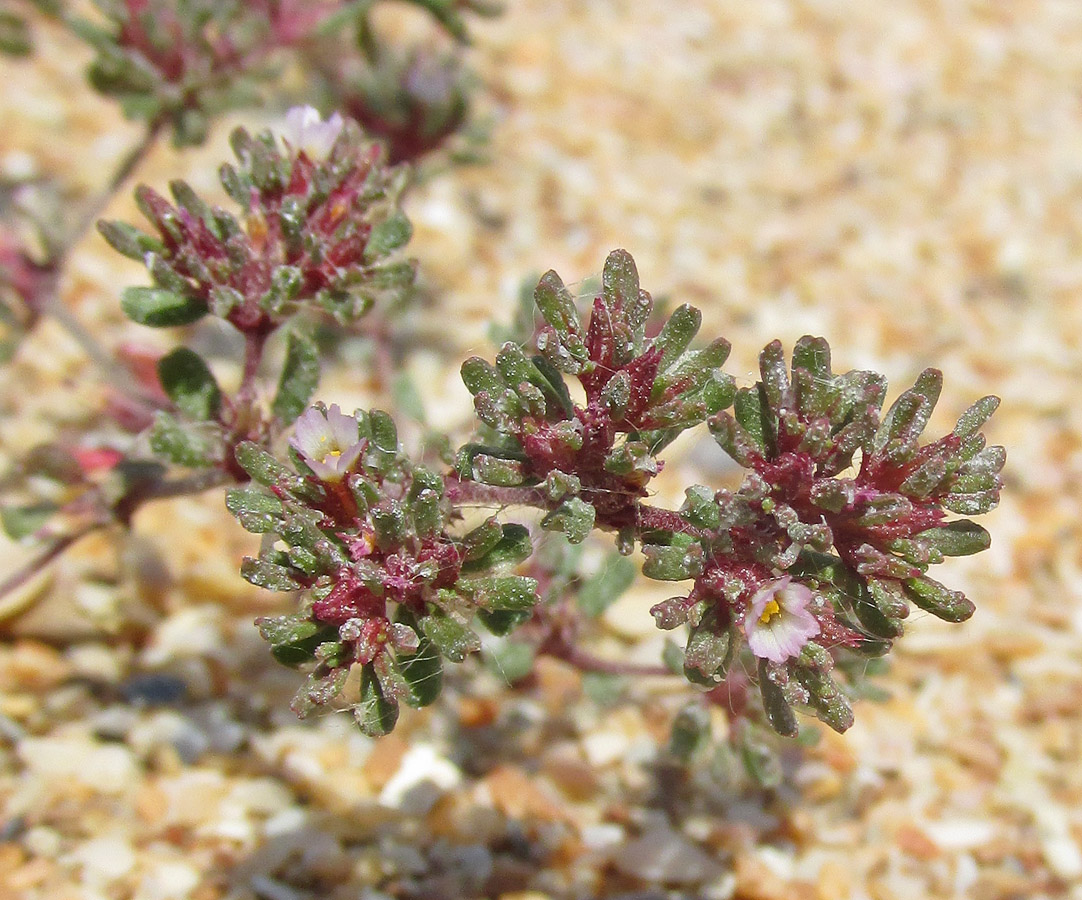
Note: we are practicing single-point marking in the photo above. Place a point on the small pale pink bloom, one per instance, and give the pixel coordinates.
(327, 442)
(778, 623)
(307, 133)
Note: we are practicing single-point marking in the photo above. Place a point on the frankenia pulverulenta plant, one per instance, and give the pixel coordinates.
(178, 63)
(317, 233)
(174, 65)
(317, 237)
(817, 558)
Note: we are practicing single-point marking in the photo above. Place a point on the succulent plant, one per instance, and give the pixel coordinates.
(818, 554)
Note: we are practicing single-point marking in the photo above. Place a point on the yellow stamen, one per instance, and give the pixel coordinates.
(770, 612)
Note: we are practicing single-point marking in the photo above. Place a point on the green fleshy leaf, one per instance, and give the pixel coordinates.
(195, 445)
(881, 609)
(677, 334)
(453, 639)
(690, 731)
(812, 354)
(632, 459)
(510, 592)
(748, 411)
(831, 706)
(556, 386)
(974, 418)
(20, 522)
(779, 714)
(294, 638)
(616, 395)
(300, 377)
(909, 414)
(513, 547)
(128, 240)
(709, 653)
(510, 661)
(189, 383)
(556, 305)
(260, 465)
(481, 541)
(393, 232)
(268, 575)
(499, 472)
(160, 308)
(931, 596)
(734, 440)
(620, 283)
(501, 622)
(390, 524)
(574, 517)
(605, 586)
(257, 512)
(384, 432)
(700, 508)
(480, 376)
(422, 671)
(672, 563)
(775, 377)
(961, 538)
(427, 513)
(377, 713)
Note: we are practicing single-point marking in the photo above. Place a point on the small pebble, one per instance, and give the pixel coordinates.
(422, 777)
(168, 880)
(663, 855)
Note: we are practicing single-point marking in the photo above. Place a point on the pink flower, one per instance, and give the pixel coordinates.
(327, 442)
(778, 623)
(307, 133)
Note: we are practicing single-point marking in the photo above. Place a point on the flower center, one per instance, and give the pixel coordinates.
(771, 611)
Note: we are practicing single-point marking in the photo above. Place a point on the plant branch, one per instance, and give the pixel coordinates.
(49, 303)
(193, 484)
(128, 164)
(45, 556)
(587, 662)
(254, 344)
(473, 492)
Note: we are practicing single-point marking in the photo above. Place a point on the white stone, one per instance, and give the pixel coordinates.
(422, 778)
(604, 834)
(168, 880)
(109, 768)
(189, 632)
(605, 747)
(104, 859)
(18, 165)
(261, 796)
(96, 661)
(286, 822)
(960, 834)
(42, 841)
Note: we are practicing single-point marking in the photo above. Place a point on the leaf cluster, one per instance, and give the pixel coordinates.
(592, 460)
(311, 232)
(391, 590)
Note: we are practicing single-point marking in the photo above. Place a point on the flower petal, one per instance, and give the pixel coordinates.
(764, 643)
(311, 434)
(343, 428)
